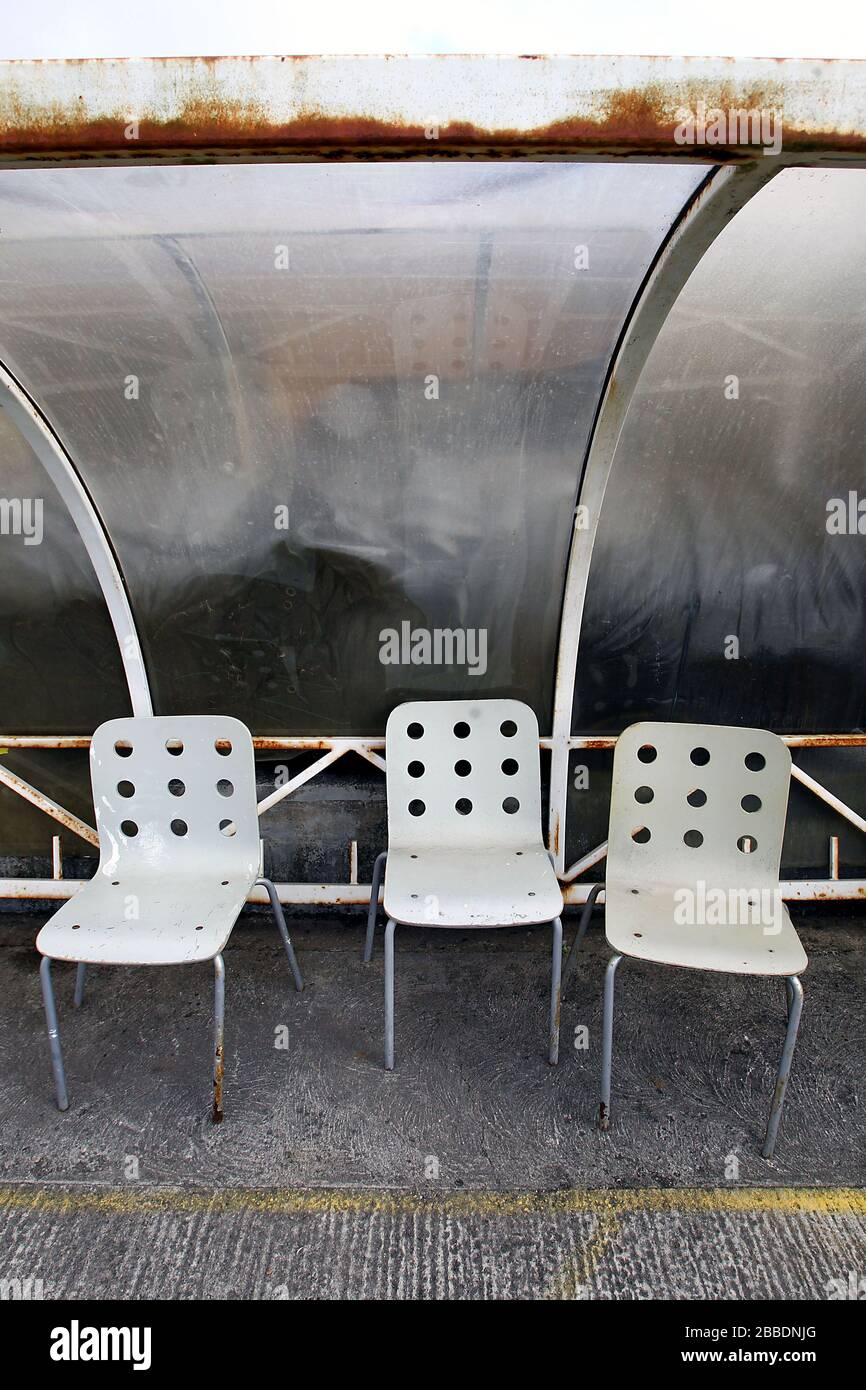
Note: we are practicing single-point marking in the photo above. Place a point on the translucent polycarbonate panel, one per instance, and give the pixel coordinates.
(334, 416)
(60, 667)
(728, 582)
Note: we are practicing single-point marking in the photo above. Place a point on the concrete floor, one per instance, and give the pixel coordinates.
(475, 1169)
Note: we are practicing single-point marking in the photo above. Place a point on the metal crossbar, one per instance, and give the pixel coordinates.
(352, 892)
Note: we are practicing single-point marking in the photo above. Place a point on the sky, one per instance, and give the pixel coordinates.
(159, 28)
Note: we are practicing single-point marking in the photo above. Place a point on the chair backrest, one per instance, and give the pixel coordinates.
(694, 802)
(463, 773)
(175, 794)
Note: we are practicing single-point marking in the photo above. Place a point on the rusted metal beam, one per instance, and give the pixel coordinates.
(835, 802)
(364, 746)
(44, 803)
(358, 894)
(182, 109)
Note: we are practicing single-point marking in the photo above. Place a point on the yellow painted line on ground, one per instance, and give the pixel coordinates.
(571, 1282)
(140, 1200)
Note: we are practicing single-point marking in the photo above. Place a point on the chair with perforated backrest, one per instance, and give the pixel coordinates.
(464, 831)
(179, 851)
(697, 817)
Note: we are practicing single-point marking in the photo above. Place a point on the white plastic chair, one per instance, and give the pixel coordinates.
(464, 831)
(697, 817)
(179, 851)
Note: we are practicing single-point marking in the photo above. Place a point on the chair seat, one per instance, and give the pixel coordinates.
(179, 919)
(644, 924)
(471, 887)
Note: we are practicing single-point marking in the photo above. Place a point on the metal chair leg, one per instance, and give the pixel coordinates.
(789, 998)
(280, 917)
(219, 1013)
(555, 989)
(389, 994)
(795, 995)
(80, 977)
(378, 871)
(607, 1043)
(581, 933)
(53, 1034)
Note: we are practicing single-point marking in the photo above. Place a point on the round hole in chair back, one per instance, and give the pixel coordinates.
(179, 827)
(463, 806)
(223, 746)
(126, 789)
(417, 808)
(646, 753)
(700, 756)
(228, 827)
(416, 769)
(751, 803)
(174, 746)
(225, 787)
(755, 762)
(510, 805)
(462, 729)
(747, 844)
(415, 731)
(462, 767)
(644, 795)
(641, 835)
(508, 728)
(176, 786)
(510, 767)
(697, 797)
(123, 748)
(129, 829)
(693, 838)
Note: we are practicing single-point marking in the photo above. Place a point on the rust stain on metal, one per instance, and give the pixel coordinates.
(554, 839)
(629, 121)
(218, 1086)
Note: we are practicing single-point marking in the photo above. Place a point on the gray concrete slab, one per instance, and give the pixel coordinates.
(295, 1244)
(474, 1170)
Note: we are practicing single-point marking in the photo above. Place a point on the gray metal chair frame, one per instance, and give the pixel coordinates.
(696, 807)
(176, 814)
(464, 832)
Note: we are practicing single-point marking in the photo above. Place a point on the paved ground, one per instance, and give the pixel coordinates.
(475, 1169)
(662, 1243)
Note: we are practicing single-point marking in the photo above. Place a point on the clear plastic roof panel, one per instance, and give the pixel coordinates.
(60, 666)
(318, 404)
(728, 583)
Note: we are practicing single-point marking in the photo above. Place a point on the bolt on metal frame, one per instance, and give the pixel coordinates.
(81, 113)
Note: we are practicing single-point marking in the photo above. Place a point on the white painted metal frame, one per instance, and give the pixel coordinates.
(353, 893)
(713, 205)
(357, 894)
(90, 526)
(516, 109)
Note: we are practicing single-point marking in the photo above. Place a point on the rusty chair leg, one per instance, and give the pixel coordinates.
(219, 1012)
(795, 1008)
